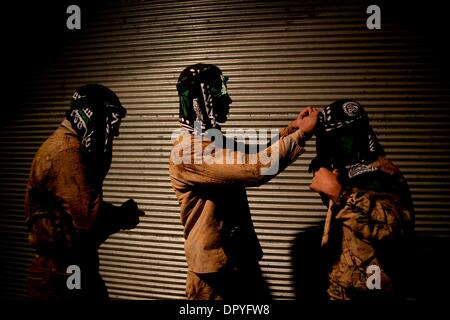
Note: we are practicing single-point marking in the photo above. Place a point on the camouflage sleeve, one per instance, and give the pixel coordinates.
(373, 215)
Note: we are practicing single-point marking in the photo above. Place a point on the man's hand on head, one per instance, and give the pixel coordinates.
(306, 121)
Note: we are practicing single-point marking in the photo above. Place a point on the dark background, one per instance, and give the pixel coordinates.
(33, 33)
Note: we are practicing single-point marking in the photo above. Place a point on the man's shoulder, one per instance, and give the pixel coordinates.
(61, 141)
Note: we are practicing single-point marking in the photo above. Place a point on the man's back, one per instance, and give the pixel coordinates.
(52, 154)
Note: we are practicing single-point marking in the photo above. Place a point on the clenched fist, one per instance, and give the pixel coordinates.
(130, 214)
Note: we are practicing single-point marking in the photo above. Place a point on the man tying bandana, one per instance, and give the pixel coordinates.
(64, 209)
(370, 219)
(221, 246)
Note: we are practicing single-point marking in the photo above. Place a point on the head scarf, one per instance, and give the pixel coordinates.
(345, 141)
(95, 113)
(204, 99)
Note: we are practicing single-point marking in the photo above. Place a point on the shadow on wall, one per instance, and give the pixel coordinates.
(427, 273)
(309, 265)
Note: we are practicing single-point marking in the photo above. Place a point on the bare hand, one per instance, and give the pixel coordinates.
(306, 120)
(326, 182)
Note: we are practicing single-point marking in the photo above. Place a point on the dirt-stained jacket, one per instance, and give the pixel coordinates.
(64, 206)
(67, 219)
(218, 229)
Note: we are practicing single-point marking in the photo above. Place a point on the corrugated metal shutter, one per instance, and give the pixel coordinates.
(280, 56)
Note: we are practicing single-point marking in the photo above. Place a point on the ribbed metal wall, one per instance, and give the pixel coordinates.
(280, 56)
